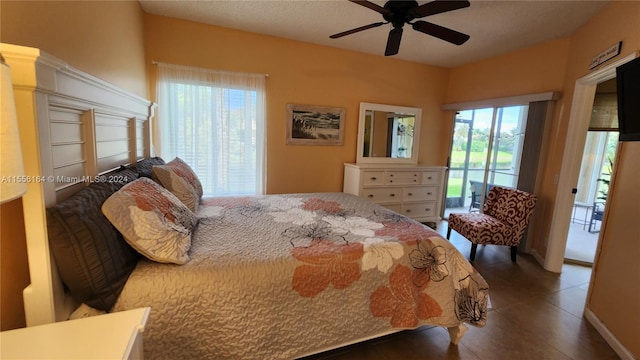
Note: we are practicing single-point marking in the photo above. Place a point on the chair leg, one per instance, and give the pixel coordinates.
(474, 247)
(448, 233)
(514, 252)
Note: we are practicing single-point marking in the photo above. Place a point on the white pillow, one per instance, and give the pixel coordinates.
(152, 220)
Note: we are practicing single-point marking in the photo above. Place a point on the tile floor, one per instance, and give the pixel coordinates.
(535, 315)
(581, 244)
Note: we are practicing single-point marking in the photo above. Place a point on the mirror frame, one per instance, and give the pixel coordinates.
(364, 107)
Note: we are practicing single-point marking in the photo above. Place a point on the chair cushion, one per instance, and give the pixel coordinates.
(503, 221)
(482, 229)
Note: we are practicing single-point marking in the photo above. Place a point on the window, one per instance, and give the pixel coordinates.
(474, 160)
(214, 121)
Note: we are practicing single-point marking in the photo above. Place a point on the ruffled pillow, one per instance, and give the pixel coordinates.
(93, 259)
(178, 177)
(152, 220)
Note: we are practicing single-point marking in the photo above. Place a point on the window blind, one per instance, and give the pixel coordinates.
(604, 115)
(214, 121)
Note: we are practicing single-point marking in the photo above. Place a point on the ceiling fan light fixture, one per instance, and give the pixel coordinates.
(400, 12)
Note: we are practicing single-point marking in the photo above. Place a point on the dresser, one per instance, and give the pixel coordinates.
(414, 191)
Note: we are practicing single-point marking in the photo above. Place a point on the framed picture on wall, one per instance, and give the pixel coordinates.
(315, 125)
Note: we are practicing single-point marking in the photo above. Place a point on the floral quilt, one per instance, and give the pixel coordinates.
(279, 276)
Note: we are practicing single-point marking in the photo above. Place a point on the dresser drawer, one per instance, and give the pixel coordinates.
(419, 193)
(403, 178)
(430, 178)
(419, 210)
(393, 207)
(383, 194)
(373, 178)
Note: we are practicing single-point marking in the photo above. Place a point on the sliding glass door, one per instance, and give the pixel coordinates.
(486, 150)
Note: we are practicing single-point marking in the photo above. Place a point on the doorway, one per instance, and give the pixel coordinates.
(593, 179)
(581, 108)
(591, 197)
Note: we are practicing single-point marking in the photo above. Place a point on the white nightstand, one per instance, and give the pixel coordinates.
(112, 336)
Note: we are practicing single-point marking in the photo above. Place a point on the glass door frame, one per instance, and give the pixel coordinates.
(491, 158)
(459, 201)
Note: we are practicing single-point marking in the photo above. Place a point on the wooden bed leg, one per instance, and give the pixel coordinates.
(456, 333)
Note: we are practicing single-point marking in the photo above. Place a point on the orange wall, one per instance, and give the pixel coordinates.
(102, 38)
(619, 21)
(302, 73)
(613, 298)
(14, 274)
(536, 69)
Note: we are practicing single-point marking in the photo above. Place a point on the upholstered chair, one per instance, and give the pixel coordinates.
(504, 219)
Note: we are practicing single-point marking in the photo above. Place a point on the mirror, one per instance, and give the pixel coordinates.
(388, 134)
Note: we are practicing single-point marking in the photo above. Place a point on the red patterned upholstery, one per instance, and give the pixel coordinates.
(503, 222)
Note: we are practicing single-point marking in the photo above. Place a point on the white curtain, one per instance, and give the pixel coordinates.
(214, 121)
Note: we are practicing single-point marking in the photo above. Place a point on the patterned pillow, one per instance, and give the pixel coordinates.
(152, 221)
(177, 177)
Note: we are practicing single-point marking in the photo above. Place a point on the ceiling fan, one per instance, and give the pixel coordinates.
(399, 12)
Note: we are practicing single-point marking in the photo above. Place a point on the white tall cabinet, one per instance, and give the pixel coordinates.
(414, 191)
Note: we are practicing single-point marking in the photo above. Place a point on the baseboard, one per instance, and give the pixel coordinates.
(578, 262)
(608, 336)
(537, 256)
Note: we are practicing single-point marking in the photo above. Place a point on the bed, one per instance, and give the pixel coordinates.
(273, 276)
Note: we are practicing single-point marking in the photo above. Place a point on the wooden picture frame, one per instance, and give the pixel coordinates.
(315, 125)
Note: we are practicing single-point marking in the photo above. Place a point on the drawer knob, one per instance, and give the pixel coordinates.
(373, 178)
(390, 181)
(408, 210)
(429, 177)
(414, 180)
(428, 209)
(410, 194)
(392, 195)
(370, 195)
(391, 175)
(429, 193)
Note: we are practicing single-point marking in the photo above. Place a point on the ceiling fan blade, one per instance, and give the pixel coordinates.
(393, 42)
(440, 32)
(372, 6)
(352, 31)
(437, 7)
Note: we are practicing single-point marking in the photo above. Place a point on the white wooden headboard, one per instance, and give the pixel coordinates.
(73, 127)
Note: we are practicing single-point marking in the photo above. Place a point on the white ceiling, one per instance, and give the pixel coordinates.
(495, 26)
